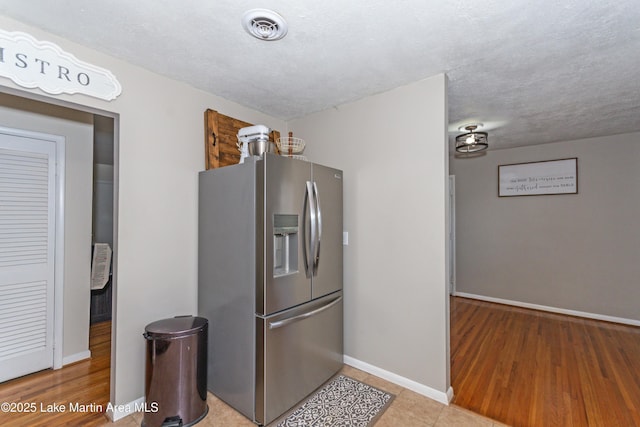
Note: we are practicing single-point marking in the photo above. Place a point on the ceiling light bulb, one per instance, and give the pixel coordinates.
(470, 139)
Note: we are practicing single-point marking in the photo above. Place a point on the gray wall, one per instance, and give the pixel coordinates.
(393, 150)
(102, 204)
(575, 252)
(103, 160)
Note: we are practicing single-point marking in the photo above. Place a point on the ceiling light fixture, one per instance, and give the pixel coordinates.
(472, 141)
(264, 24)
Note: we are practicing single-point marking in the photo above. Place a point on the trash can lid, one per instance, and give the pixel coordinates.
(175, 327)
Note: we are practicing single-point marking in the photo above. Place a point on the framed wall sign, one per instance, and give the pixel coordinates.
(32, 64)
(538, 178)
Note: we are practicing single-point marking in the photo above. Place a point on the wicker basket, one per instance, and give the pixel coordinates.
(290, 145)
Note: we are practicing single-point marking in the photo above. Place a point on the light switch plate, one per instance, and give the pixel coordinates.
(345, 238)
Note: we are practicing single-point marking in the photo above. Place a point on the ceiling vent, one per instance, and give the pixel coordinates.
(264, 24)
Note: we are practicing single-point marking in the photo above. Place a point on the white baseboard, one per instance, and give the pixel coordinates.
(76, 357)
(117, 412)
(401, 381)
(551, 309)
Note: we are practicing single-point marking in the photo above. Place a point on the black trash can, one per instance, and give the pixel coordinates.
(176, 372)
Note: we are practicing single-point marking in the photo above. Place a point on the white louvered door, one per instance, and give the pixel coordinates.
(27, 232)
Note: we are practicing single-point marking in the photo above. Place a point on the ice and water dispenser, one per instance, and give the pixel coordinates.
(285, 244)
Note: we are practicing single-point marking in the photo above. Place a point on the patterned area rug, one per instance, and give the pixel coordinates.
(341, 402)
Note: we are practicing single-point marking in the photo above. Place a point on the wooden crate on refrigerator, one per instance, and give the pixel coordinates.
(220, 139)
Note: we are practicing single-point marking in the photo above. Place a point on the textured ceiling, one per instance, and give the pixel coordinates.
(532, 71)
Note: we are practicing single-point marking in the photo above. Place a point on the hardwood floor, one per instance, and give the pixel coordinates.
(82, 383)
(530, 368)
(517, 366)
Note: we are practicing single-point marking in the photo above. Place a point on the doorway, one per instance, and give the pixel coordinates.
(102, 218)
(17, 102)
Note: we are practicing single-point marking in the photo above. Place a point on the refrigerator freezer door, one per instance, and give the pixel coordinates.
(327, 277)
(285, 183)
(298, 349)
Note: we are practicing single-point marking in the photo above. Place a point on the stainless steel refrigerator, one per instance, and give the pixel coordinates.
(270, 281)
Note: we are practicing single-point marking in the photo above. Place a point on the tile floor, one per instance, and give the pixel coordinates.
(408, 409)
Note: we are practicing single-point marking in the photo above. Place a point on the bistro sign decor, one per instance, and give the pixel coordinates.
(40, 64)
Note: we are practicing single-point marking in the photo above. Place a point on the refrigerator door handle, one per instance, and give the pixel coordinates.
(290, 320)
(316, 251)
(310, 213)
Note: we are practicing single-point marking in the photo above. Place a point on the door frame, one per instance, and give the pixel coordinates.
(116, 185)
(58, 305)
(452, 234)
(58, 263)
